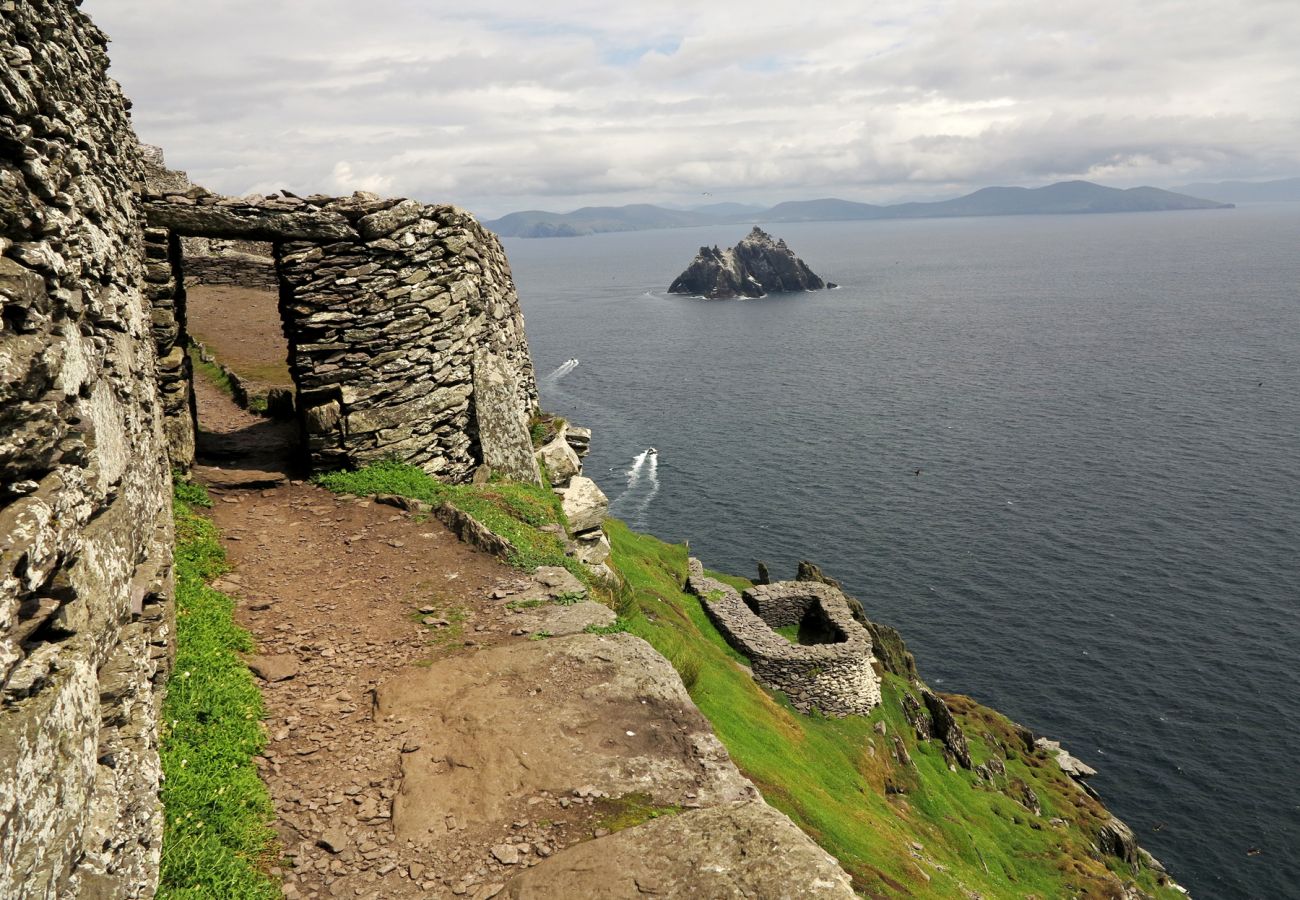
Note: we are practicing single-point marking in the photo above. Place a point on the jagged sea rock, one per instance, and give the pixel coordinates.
(946, 728)
(755, 267)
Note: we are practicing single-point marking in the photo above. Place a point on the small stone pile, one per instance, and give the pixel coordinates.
(836, 678)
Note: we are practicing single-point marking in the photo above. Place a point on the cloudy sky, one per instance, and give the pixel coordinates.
(513, 104)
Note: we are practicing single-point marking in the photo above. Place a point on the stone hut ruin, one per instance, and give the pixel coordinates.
(405, 337)
(830, 669)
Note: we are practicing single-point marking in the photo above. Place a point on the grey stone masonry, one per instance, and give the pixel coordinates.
(835, 677)
(85, 513)
(386, 305)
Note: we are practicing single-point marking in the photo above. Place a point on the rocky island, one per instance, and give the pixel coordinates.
(755, 267)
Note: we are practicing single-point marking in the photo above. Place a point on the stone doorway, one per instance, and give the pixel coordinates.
(404, 335)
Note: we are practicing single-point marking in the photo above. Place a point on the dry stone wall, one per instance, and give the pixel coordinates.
(406, 339)
(230, 267)
(837, 678)
(85, 523)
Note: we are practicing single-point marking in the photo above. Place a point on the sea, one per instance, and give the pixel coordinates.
(1061, 454)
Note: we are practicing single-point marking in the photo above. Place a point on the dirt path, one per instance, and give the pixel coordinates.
(422, 745)
(335, 592)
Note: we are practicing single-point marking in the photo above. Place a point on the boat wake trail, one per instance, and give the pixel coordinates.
(563, 369)
(642, 486)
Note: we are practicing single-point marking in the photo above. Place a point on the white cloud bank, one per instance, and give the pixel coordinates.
(510, 105)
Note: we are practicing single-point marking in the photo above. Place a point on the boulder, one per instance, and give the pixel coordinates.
(946, 728)
(1070, 765)
(278, 667)
(1117, 839)
(579, 439)
(755, 267)
(585, 505)
(592, 548)
(558, 621)
(560, 461)
(499, 725)
(745, 849)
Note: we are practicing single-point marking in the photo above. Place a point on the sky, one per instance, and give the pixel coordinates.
(503, 105)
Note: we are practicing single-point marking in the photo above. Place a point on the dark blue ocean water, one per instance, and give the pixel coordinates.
(1103, 540)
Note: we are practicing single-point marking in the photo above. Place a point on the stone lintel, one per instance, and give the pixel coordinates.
(250, 222)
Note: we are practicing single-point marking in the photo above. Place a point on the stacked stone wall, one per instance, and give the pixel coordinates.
(406, 339)
(836, 678)
(232, 268)
(85, 525)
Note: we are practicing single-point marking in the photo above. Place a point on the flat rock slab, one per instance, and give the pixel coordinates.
(743, 849)
(563, 620)
(273, 667)
(496, 727)
(502, 421)
(238, 478)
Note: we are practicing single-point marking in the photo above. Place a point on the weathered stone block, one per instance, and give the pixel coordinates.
(585, 505)
(560, 461)
(502, 422)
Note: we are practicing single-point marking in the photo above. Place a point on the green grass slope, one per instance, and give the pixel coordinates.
(901, 819)
(918, 830)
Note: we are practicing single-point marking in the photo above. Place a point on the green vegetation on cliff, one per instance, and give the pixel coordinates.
(516, 512)
(901, 818)
(216, 839)
(901, 829)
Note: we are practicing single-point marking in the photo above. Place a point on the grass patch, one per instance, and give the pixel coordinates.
(543, 427)
(441, 635)
(516, 512)
(632, 810)
(831, 775)
(217, 841)
(618, 626)
(789, 632)
(212, 371)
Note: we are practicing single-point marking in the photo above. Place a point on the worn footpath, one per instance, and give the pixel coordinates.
(439, 724)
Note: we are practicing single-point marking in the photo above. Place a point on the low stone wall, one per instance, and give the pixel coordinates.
(235, 269)
(85, 512)
(836, 678)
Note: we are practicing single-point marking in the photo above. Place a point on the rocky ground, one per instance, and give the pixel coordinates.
(434, 732)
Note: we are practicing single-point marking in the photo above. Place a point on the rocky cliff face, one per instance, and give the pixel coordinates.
(85, 515)
(755, 267)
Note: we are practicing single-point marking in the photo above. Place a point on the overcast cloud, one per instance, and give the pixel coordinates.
(507, 104)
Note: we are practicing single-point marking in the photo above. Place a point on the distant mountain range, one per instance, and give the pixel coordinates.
(1063, 197)
(1246, 191)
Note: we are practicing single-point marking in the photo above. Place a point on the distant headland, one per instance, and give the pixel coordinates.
(1062, 197)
